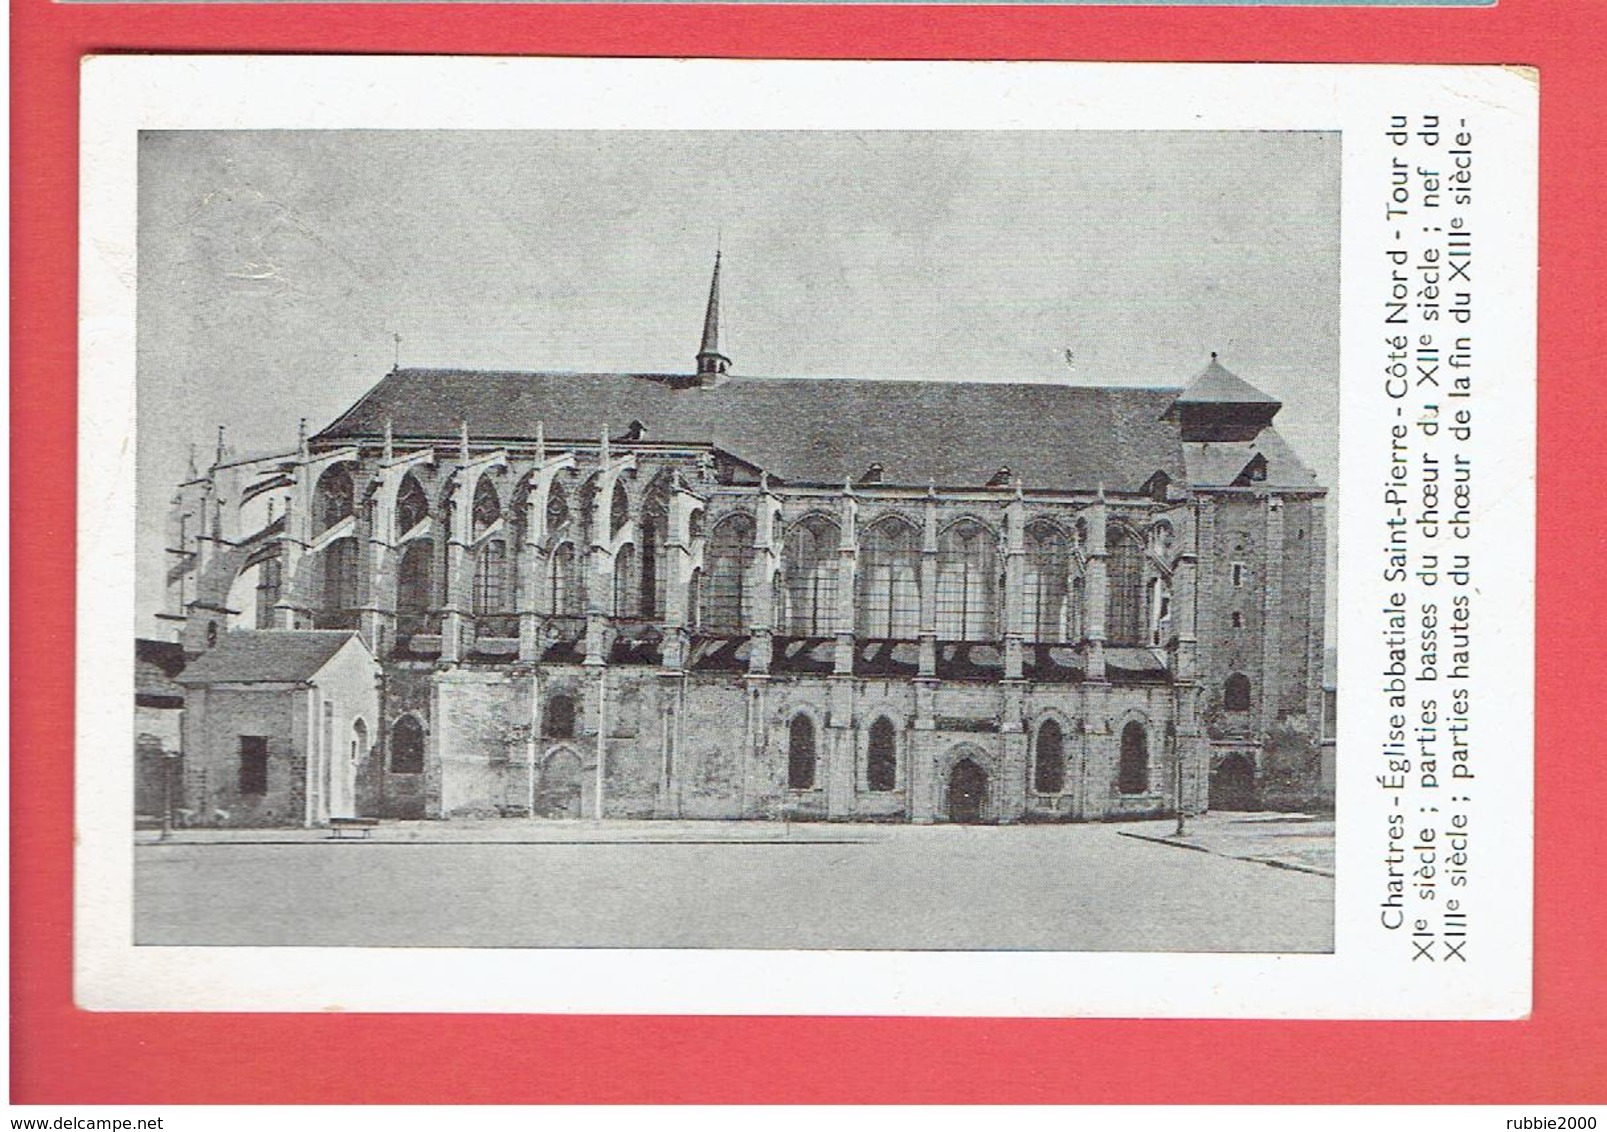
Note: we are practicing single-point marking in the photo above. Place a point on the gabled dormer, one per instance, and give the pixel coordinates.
(1253, 473)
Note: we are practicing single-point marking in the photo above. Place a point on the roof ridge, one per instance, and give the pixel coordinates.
(738, 379)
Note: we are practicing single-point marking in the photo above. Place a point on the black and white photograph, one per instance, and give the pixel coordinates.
(740, 539)
(696, 537)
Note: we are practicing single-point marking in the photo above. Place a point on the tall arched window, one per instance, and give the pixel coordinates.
(1236, 693)
(1124, 621)
(694, 598)
(1044, 585)
(487, 507)
(967, 582)
(1132, 777)
(627, 599)
(412, 505)
(1049, 759)
(558, 720)
(491, 579)
(563, 592)
(801, 753)
(889, 581)
(335, 497)
(340, 575)
(415, 578)
(881, 759)
(1076, 615)
(619, 509)
(727, 603)
(811, 570)
(655, 563)
(270, 584)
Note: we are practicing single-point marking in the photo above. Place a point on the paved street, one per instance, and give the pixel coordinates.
(723, 884)
(1286, 841)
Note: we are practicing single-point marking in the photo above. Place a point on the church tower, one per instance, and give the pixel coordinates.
(1221, 406)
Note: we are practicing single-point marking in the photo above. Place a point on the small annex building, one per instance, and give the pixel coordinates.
(277, 726)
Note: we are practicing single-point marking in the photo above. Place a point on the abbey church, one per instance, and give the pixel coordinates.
(712, 595)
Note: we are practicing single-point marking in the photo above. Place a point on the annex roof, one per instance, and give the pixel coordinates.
(806, 430)
(266, 656)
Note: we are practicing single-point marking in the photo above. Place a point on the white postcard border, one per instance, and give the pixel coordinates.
(122, 95)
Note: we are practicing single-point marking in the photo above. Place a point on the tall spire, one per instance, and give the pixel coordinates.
(710, 361)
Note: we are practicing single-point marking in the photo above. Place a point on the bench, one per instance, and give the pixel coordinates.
(342, 828)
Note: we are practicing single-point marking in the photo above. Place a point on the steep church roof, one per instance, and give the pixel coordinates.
(269, 656)
(954, 434)
(806, 430)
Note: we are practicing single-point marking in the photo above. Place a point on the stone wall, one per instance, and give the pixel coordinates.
(347, 742)
(406, 690)
(712, 746)
(214, 720)
(156, 741)
(1278, 541)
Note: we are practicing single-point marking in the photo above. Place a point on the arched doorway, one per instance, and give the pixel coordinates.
(968, 792)
(559, 794)
(1233, 784)
(404, 784)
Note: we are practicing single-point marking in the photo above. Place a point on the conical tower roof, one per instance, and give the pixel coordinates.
(1217, 385)
(710, 360)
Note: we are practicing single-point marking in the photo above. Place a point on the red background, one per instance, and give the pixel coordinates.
(61, 1054)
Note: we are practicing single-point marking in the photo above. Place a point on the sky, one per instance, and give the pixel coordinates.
(277, 267)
